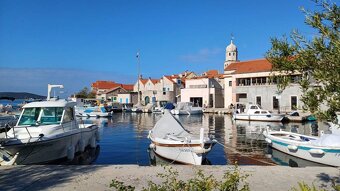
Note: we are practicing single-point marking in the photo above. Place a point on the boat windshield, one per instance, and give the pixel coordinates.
(41, 116)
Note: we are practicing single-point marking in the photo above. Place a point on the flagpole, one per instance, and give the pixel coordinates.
(138, 77)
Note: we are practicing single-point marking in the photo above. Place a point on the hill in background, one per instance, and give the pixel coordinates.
(21, 95)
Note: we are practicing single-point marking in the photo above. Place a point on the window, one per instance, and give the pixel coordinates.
(275, 103)
(257, 112)
(253, 107)
(258, 100)
(121, 100)
(37, 115)
(293, 102)
(263, 112)
(230, 83)
(229, 54)
(68, 115)
(51, 115)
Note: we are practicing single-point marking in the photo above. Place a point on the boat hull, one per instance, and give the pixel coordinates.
(250, 117)
(322, 155)
(45, 150)
(186, 112)
(182, 153)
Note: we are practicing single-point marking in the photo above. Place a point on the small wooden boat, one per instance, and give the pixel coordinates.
(171, 141)
(324, 149)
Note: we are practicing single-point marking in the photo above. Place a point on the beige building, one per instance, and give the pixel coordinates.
(205, 90)
(165, 89)
(252, 81)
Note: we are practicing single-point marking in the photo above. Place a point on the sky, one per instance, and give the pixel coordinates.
(75, 43)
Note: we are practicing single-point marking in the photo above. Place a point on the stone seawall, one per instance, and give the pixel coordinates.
(98, 177)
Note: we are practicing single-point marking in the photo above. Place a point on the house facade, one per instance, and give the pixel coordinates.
(253, 82)
(165, 89)
(205, 90)
(109, 90)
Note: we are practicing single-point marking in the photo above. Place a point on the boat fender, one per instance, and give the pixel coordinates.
(202, 137)
(292, 147)
(202, 150)
(93, 143)
(268, 140)
(81, 145)
(152, 146)
(70, 153)
(316, 152)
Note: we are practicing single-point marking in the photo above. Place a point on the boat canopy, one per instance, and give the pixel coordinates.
(51, 103)
(168, 125)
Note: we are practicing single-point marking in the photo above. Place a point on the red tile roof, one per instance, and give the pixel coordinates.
(144, 81)
(104, 85)
(128, 87)
(109, 85)
(154, 81)
(251, 66)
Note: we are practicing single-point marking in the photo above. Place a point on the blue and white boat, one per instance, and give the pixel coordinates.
(97, 111)
(324, 149)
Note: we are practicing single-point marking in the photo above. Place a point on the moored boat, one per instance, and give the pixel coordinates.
(171, 141)
(324, 149)
(46, 131)
(256, 113)
(186, 108)
(96, 111)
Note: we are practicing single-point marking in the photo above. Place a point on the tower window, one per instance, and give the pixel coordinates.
(229, 54)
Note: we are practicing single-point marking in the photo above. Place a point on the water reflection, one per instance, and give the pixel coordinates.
(158, 160)
(124, 139)
(85, 158)
(283, 159)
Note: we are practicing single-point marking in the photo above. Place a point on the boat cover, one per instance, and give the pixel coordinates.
(330, 140)
(169, 125)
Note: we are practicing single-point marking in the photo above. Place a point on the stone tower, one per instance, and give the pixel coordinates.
(230, 54)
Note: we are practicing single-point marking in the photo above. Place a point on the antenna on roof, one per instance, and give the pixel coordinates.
(232, 37)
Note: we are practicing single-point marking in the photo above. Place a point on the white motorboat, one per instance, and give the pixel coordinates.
(171, 141)
(186, 108)
(97, 111)
(324, 149)
(256, 113)
(46, 131)
(137, 108)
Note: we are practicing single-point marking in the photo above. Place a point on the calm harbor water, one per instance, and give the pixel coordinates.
(124, 140)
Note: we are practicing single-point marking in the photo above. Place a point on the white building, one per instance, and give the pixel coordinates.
(252, 81)
(204, 91)
(165, 89)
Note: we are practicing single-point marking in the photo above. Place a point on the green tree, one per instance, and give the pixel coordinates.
(317, 59)
(84, 93)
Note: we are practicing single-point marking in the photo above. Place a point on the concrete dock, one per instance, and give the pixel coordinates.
(98, 177)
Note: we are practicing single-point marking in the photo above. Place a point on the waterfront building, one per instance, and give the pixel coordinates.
(109, 90)
(165, 89)
(205, 90)
(253, 81)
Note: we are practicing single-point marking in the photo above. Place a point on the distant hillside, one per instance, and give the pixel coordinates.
(21, 95)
